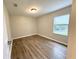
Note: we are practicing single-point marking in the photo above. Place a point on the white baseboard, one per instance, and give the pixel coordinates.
(24, 36)
(53, 39)
(42, 36)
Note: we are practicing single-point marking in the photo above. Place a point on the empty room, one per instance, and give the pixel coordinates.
(39, 29)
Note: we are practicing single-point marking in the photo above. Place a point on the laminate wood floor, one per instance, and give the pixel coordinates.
(37, 47)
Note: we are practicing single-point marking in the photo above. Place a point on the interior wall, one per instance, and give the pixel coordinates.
(45, 25)
(7, 21)
(22, 26)
(72, 33)
(6, 34)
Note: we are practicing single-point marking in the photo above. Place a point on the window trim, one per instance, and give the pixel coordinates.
(53, 24)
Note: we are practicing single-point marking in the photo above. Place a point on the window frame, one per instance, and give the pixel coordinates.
(53, 24)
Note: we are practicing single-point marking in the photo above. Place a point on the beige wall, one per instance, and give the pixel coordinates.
(22, 26)
(72, 33)
(45, 25)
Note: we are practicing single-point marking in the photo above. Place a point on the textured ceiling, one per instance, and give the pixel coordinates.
(44, 6)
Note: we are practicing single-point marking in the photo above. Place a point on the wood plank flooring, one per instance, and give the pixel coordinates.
(37, 47)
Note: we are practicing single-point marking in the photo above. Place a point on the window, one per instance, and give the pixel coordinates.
(61, 25)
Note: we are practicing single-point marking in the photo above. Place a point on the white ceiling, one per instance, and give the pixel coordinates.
(44, 6)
